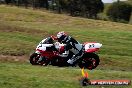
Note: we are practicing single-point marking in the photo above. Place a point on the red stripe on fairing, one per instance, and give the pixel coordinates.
(39, 50)
(92, 50)
(48, 54)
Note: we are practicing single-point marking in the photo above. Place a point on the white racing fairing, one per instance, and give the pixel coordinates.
(88, 46)
(92, 47)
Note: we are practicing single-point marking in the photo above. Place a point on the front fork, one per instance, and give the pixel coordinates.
(40, 58)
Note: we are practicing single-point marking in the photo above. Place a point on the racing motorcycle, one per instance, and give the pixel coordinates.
(49, 54)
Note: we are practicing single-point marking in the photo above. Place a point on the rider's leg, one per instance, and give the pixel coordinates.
(75, 57)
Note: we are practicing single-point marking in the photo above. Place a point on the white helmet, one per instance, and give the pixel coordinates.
(61, 35)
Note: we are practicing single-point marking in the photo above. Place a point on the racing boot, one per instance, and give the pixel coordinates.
(72, 60)
(75, 58)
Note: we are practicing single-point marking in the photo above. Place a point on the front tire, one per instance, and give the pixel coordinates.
(34, 59)
(89, 61)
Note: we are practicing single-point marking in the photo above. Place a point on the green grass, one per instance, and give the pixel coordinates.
(24, 75)
(22, 29)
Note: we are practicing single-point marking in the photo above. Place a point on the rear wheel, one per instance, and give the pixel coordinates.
(89, 61)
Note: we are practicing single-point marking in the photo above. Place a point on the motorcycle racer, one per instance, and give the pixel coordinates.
(71, 45)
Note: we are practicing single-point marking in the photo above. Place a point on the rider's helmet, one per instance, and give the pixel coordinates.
(61, 36)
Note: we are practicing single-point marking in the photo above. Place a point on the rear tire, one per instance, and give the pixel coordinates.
(89, 61)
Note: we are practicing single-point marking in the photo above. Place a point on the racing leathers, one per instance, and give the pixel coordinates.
(74, 46)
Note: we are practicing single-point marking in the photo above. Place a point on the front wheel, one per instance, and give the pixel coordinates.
(34, 59)
(89, 61)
